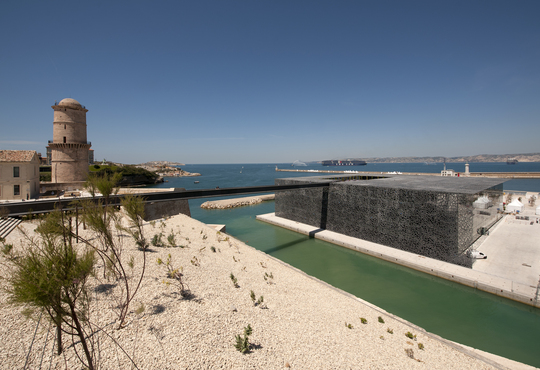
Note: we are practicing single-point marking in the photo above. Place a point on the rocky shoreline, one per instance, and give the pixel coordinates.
(237, 202)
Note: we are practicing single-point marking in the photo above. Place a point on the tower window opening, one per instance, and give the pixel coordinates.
(64, 126)
(64, 139)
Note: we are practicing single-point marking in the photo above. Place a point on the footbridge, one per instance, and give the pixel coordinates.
(33, 207)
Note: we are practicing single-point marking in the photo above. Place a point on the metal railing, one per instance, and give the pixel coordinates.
(45, 206)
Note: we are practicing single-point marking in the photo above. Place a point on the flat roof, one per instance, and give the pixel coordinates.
(446, 184)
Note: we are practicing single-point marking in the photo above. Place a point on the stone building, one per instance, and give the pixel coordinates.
(19, 174)
(69, 147)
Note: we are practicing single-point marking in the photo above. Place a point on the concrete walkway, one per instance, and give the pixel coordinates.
(513, 250)
(493, 280)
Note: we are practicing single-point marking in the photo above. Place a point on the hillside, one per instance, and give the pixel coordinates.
(530, 157)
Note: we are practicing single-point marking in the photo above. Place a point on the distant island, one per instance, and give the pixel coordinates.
(160, 164)
(530, 157)
(166, 169)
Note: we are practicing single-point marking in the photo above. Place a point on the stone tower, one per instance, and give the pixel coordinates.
(69, 148)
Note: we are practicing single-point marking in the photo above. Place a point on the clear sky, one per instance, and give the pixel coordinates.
(258, 81)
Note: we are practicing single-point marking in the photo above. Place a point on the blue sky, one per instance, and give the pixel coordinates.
(274, 81)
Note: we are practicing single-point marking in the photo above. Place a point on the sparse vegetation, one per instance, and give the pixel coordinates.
(269, 278)
(235, 281)
(170, 239)
(105, 221)
(391, 331)
(410, 335)
(381, 320)
(256, 302)
(50, 277)
(157, 240)
(242, 344)
(363, 320)
(420, 346)
(175, 274)
(140, 309)
(409, 352)
(349, 326)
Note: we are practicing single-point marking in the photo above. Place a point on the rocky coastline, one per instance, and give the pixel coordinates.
(237, 202)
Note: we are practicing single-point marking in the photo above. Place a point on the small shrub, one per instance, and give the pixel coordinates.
(252, 296)
(410, 335)
(6, 249)
(420, 346)
(140, 309)
(363, 320)
(242, 344)
(349, 326)
(195, 261)
(213, 249)
(409, 352)
(234, 280)
(157, 241)
(269, 278)
(391, 331)
(170, 239)
(381, 320)
(175, 274)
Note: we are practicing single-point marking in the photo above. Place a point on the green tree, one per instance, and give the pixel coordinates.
(50, 276)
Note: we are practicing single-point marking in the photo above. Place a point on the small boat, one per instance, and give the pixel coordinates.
(195, 182)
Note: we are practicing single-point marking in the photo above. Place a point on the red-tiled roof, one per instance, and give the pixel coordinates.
(17, 155)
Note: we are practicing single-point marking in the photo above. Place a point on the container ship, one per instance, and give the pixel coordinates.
(348, 162)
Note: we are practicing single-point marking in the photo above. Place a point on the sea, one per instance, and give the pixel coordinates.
(453, 311)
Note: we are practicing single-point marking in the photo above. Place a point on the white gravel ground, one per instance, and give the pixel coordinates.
(301, 324)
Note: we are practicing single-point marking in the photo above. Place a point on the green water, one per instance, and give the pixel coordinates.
(453, 311)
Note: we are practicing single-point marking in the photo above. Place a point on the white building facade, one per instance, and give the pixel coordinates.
(19, 174)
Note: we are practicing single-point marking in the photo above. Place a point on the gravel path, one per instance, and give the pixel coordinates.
(301, 323)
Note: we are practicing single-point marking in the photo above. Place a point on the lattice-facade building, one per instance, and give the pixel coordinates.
(437, 217)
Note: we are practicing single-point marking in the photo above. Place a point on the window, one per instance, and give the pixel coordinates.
(64, 139)
(16, 190)
(15, 171)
